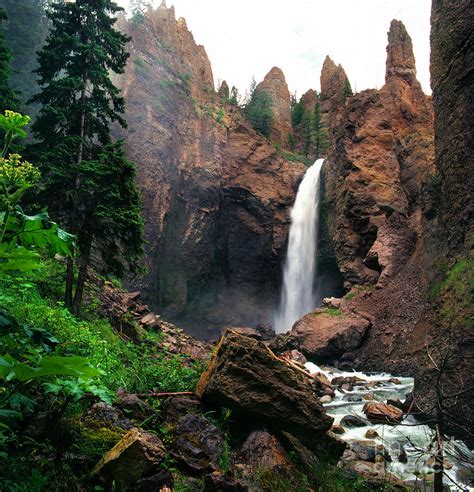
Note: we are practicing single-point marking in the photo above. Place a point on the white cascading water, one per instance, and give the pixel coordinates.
(297, 295)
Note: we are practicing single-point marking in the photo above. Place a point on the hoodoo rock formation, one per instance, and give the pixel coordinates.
(333, 78)
(215, 194)
(275, 84)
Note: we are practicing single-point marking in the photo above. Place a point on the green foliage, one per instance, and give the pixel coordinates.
(297, 111)
(90, 184)
(23, 237)
(138, 9)
(314, 133)
(291, 141)
(135, 368)
(346, 91)
(8, 99)
(234, 98)
(258, 110)
(330, 311)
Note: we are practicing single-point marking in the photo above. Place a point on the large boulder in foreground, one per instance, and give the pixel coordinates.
(137, 456)
(246, 377)
(326, 335)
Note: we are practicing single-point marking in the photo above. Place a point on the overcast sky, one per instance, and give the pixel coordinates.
(248, 37)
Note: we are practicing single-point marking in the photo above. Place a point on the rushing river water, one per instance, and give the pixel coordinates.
(297, 295)
(409, 437)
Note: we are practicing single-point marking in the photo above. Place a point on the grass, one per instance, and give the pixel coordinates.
(138, 368)
(330, 311)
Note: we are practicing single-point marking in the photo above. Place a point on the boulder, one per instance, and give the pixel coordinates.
(262, 450)
(137, 455)
(132, 405)
(197, 444)
(296, 356)
(351, 421)
(101, 414)
(338, 429)
(246, 377)
(325, 399)
(332, 302)
(381, 413)
(323, 336)
(217, 482)
(371, 434)
(266, 331)
(368, 450)
(243, 330)
(176, 406)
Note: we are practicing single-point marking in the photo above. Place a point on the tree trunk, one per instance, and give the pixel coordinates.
(73, 221)
(82, 275)
(69, 282)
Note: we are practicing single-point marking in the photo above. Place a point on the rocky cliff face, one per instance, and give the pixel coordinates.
(384, 148)
(215, 194)
(452, 79)
(376, 178)
(275, 84)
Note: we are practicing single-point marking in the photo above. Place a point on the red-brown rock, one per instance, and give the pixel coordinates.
(325, 337)
(275, 84)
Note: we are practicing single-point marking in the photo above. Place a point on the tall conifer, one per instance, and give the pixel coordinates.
(89, 180)
(7, 95)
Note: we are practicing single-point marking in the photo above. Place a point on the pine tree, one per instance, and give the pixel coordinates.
(297, 112)
(138, 9)
(258, 109)
(346, 91)
(8, 98)
(307, 133)
(89, 181)
(321, 141)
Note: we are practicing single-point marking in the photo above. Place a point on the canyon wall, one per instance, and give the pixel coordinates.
(215, 194)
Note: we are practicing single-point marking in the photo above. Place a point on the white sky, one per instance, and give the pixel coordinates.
(248, 37)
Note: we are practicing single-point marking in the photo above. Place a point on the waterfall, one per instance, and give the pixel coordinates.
(297, 295)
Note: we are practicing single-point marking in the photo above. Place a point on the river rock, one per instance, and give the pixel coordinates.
(246, 377)
(137, 455)
(198, 443)
(368, 450)
(339, 381)
(325, 399)
(371, 434)
(378, 412)
(326, 337)
(338, 429)
(351, 421)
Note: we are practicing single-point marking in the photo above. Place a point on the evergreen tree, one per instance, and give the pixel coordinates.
(320, 137)
(138, 9)
(307, 134)
(90, 182)
(234, 98)
(297, 112)
(258, 109)
(7, 95)
(346, 91)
